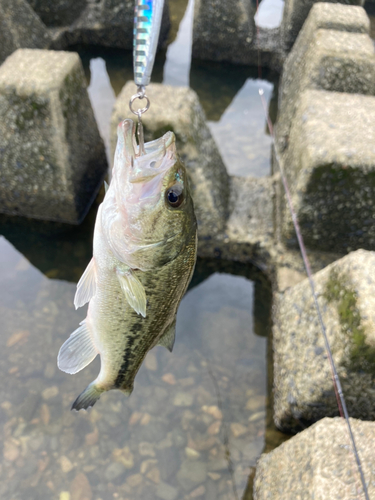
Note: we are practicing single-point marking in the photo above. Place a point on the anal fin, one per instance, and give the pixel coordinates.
(78, 351)
(133, 290)
(87, 398)
(168, 337)
(86, 287)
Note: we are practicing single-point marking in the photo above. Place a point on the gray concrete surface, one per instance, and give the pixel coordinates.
(58, 12)
(52, 157)
(330, 167)
(318, 463)
(295, 14)
(303, 387)
(20, 27)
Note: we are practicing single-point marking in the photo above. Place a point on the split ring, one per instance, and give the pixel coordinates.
(139, 95)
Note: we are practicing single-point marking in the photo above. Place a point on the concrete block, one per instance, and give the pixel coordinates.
(303, 387)
(223, 31)
(51, 155)
(58, 12)
(330, 168)
(294, 15)
(178, 109)
(20, 27)
(107, 23)
(318, 463)
(325, 58)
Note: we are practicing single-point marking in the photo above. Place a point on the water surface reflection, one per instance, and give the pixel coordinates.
(194, 425)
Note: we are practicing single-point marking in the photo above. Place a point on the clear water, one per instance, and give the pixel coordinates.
(199, 418)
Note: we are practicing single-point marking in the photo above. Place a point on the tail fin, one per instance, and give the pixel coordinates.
(88, 397)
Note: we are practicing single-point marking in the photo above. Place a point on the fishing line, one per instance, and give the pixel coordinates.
(335, 378)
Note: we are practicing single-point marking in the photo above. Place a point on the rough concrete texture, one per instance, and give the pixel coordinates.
(51, 155)
(294, 15)
(223, 31)
(107, 23)
(303, 387)
(58, 12)
(330, 168)
(319, 464)
(20, 27)
(178, 109)
(249, 231)
(333, 52)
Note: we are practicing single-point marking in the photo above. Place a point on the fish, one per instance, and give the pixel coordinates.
(144, 254)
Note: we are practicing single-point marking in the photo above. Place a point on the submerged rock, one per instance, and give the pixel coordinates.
(20, 27)
(51, 154)
(318, 463)
(178, 109)
(303, 387)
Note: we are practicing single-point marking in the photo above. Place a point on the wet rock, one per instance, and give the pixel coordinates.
(114, 471)
(58, 12)
(169, 378)
(213, 410)
(65, 464)
(52, 157)
(238, 429)
(330, 166)
(11, 451)
(183, 399)
(304, 466)
(146, 449)
(214, 428)
(294, 15)
(223, 31)
(191, 473)
(124, 456)
(134, 480)
(191, 453)
(107, 23)
(303, 389)
(178, 109)
(20, 27)
(80, 488)
(50, 392)
(333, 52)
(166, 492)
(250, 227)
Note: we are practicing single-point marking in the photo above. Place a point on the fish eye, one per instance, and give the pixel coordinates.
(175, 195)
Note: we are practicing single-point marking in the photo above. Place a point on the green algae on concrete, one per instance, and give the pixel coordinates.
(339, 291)
(303, 387)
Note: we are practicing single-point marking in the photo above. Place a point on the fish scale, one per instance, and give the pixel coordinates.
(144, 253)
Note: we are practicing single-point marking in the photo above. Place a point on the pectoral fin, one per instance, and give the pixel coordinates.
(86, 287)
(133, 289)
(78, 351)
(168, 337)
(106, 187)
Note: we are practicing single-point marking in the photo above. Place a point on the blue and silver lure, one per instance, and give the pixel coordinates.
(147, 21)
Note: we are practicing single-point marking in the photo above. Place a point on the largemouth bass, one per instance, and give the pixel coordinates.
(144, 253)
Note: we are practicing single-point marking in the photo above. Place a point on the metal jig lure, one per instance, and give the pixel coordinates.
(147, 21)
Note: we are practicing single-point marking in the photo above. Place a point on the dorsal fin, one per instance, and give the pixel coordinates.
(86, 287)
(78, 351)
(133, 290)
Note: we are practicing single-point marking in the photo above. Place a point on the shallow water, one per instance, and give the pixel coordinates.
(195, 423)
(198, 418)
